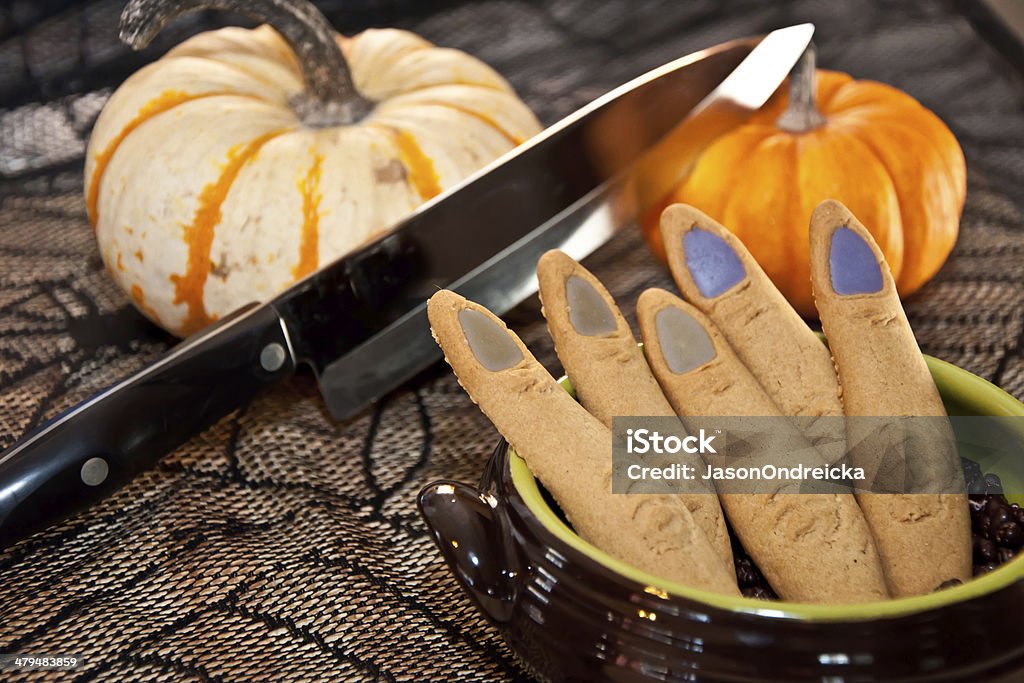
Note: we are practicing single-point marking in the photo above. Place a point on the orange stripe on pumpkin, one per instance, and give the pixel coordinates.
(188, 288)
(166, 100)
(479, 116)
(140, 302)
(309, 245)
(420, 169)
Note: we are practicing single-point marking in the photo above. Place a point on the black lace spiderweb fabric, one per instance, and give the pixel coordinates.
(280, 545)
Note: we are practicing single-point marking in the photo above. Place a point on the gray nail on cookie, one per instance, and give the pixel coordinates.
(589, 313)
(491, 344)
(684, 342)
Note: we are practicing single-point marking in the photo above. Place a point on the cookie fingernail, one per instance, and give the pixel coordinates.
(490, 343)
(588, 311)
(853, 268)
(684, 342)
(713, 265)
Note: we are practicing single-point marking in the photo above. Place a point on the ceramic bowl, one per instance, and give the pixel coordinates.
(573, 613)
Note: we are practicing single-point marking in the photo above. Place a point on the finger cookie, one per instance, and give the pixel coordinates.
(717, 274)
(594, 343)
(569, 450)
(811, 547)
(924, 539)
(608, 370)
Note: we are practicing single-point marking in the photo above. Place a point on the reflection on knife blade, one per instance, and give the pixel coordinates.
(570, 187)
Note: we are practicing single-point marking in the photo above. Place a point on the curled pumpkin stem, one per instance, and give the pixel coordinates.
(802, 114)
(331, 97)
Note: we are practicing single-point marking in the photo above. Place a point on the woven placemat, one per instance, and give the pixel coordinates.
(283, 546)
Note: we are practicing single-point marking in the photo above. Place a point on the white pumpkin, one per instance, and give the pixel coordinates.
(212, 181)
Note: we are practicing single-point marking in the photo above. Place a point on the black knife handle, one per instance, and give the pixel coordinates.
(95, 448)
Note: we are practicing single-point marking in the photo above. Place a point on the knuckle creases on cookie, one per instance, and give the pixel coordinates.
(717, 274)
(569, 450)
(924, 539)
(608, 370)
(812, 547)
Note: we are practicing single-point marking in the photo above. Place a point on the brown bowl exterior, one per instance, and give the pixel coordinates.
(570, 618)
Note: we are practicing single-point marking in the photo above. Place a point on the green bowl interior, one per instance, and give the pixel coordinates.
(963, 394)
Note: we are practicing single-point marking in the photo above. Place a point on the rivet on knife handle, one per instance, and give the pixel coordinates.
(90, 451)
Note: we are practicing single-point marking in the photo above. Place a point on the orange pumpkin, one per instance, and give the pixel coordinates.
(872, 147)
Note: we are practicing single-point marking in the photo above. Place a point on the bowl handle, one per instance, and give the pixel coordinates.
(469, 529)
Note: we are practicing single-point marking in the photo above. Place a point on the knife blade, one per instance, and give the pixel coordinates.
(360, 322)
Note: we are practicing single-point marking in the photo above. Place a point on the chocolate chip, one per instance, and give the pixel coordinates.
(1004, 555)
(984, 550)
(998, 515)
(993, 484)
(973, 476)
(971, 468)
(760, 592)
(1010, 535)
(980, 569)
(746, 574)
(749, 578)
(981, 523)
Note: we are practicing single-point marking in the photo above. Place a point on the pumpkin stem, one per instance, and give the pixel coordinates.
(330, 96)
(802, 114)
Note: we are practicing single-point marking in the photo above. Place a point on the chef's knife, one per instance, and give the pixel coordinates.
(360, 322)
